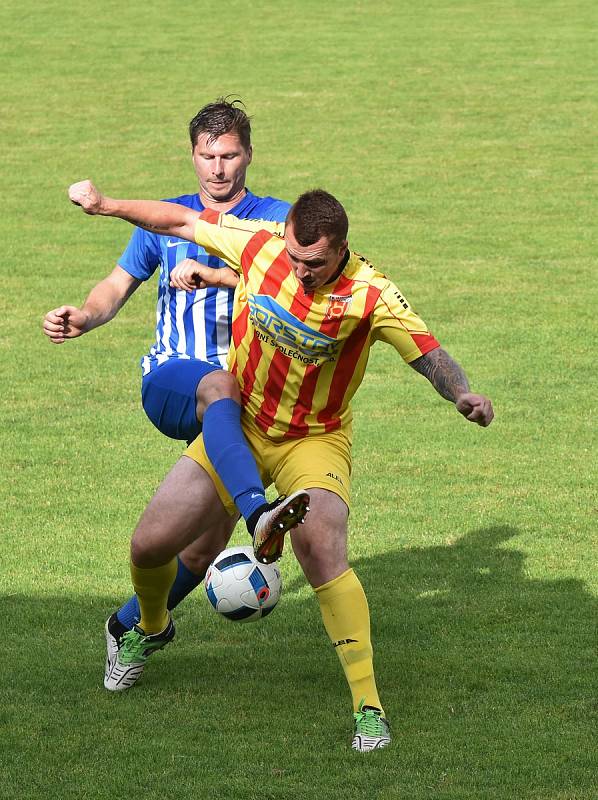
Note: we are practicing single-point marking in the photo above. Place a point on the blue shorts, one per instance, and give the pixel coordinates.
(168, 395)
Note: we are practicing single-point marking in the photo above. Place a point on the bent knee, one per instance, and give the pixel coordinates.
(146, 553)
(198, 556)
(319, 563)
(217, 385)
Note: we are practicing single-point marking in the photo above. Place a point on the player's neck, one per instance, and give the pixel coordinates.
(341, 266)
(222, 206)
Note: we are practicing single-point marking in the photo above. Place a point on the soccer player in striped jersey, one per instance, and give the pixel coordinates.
(183, 379)
(307, 311)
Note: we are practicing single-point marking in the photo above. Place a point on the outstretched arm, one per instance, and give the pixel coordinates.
(168, 219)
(450, 381)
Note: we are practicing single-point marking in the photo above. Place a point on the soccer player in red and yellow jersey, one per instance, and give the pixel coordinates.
(306, 313)
(303, 323)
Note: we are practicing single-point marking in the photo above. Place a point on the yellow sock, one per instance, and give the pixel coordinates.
(152, 587)
(346, 618)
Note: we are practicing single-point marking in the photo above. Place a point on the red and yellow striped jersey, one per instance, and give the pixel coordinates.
(300, 355)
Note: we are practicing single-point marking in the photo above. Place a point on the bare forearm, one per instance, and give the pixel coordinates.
(101, 305)
(107, 297)
(167, 219)
(443, 372)
(450, 381)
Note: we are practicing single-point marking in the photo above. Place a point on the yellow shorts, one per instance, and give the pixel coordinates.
(314, 462)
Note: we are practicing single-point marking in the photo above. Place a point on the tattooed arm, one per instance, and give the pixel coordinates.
(450, 381)
(445, 375)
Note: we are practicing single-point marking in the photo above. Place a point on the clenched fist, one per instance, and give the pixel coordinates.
(85, 194)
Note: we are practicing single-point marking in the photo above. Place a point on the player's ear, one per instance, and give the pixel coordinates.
(249, 155)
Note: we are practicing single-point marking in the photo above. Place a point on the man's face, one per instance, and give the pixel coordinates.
(221, 165)
(316, 264)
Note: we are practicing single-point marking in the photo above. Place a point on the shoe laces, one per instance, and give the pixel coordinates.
(132, 645)
(370, 722)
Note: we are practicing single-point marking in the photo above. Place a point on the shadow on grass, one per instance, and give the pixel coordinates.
(486, 675)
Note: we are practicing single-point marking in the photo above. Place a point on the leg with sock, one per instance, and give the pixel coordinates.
(321, 548)
(152, 587)
(346, 617)
(227, 449)
(192, 565)
(154, 631)
(184, 583)
(231, 457)
(185, 511)
(169, 395)
(219, 408)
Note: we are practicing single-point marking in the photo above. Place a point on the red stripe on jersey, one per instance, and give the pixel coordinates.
(279, 368)
(254, 353)
(239, 328)
(271, 283)
(276, 273)
(252, 248)
(211, 216)
(303, 406)
(346, 364)
(297, 427)
(425, 342)
(273, 387)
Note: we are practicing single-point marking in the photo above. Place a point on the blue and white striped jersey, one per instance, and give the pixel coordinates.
(190, 324)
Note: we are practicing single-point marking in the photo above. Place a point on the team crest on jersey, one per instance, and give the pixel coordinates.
(337, 305)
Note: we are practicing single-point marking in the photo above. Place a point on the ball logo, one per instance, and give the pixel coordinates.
(239, 588)
(263, 595)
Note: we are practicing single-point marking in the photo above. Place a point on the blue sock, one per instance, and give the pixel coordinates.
(227, 449)
(185, 581)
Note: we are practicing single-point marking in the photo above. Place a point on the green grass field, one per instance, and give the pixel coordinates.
(461, 138)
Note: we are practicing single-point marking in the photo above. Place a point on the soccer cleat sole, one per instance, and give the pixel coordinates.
(290, 513)
(365, 744)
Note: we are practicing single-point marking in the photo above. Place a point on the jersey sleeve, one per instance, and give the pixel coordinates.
(142, 255)
(226, 236)
(395, 322)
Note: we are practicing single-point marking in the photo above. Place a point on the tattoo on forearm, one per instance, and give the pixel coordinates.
(443, 372)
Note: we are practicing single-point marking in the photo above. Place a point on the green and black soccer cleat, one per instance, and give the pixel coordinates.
(133, 650)
(372, 730)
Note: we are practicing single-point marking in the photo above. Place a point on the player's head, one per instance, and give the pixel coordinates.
(220, 136)
(222, 116)
(316, 238)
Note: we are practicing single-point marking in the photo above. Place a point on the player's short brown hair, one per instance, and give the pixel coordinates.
(220, 117)
(315, 214)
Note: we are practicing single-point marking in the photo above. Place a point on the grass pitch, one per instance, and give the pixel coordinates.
(460, 138)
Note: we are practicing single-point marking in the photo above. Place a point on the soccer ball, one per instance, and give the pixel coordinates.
(239, 587)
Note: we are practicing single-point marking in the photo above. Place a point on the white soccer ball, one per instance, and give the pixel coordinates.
(239, 587)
